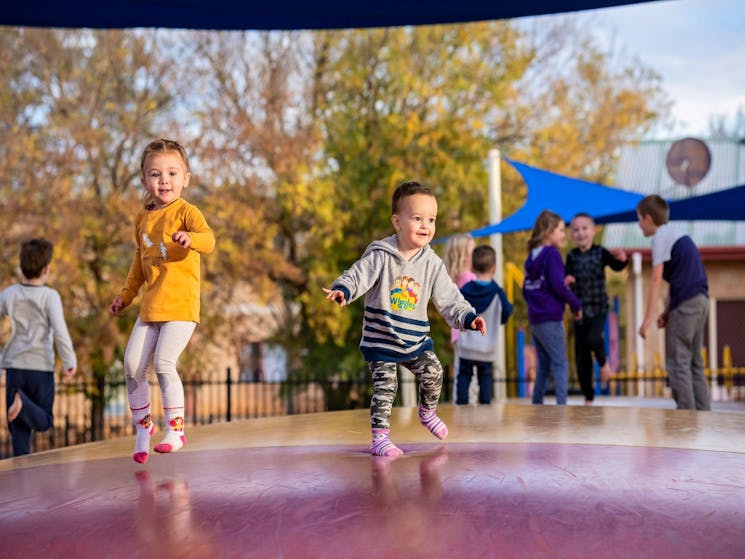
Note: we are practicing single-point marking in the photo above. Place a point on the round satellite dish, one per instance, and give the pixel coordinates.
(688, 161)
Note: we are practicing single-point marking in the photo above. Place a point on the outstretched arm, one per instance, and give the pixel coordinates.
(569, 278)
(616, 259)
(335, 295)
(480, 325)
(135, 279)
(652, 295)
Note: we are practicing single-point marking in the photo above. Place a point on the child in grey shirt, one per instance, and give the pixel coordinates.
(398, 276)
(38, 322)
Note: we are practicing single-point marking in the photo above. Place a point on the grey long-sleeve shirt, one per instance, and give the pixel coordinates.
(38, 323)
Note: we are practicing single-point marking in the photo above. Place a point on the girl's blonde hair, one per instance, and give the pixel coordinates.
(456, 257)
(546, 222)
(161, 145)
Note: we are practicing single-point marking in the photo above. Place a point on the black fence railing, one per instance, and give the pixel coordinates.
(90, 411)
(86, 411)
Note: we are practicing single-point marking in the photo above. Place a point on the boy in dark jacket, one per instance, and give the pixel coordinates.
(585, 269)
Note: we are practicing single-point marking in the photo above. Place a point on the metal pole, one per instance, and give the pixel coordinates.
(495, 216)
(228, 386)
(713, 349)
(636, 259)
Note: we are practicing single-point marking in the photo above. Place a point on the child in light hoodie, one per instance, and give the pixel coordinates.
(398, 276)
(480, 352)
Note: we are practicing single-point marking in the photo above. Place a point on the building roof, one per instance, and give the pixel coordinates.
(642, 168)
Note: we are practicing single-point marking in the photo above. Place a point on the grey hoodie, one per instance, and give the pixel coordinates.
(395, 326)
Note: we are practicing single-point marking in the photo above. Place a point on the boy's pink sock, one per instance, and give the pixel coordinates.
(382, 445)
(175, 438)
(429, 419)
(145, 428)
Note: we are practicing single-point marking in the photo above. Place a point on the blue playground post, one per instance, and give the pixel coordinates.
(521, 381)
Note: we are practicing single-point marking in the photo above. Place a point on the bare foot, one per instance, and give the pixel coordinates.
(605, 373)
(588, 402)
(15, 407)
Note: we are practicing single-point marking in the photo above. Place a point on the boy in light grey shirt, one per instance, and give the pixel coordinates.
(37, 324)
(676, 260)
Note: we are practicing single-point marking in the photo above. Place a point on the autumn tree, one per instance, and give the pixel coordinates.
(260, 145)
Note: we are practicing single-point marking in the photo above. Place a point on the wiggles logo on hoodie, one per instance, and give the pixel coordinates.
(405, 293)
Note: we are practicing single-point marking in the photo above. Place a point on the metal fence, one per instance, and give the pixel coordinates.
(90, 411)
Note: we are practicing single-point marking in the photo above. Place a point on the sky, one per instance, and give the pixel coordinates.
(697, 46)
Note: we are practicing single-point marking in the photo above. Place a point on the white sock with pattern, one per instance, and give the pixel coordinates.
(175, 438)
(145, 427)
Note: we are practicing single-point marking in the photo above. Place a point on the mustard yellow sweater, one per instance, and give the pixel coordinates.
(171, 273)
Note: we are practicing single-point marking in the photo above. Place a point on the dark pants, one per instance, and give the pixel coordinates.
(37, 392)
(484, 372)
(589, 340)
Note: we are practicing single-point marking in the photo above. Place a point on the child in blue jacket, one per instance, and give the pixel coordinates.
(478, 352)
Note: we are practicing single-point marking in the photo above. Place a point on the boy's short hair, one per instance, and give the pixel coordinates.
(406, 189)
(35, 255)
(656, 207)
(583, 214)
(484, 259)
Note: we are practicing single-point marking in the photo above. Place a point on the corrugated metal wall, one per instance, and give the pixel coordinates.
(642, 169)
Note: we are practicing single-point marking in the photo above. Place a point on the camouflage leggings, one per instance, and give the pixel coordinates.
(427, 370)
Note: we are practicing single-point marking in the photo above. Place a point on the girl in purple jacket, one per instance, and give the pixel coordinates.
(546, 294)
